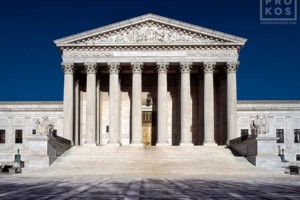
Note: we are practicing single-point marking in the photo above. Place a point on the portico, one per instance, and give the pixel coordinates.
(189, 73)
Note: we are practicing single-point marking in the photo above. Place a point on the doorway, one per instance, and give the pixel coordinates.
(149, 128)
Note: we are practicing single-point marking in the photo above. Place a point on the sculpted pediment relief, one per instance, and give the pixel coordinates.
(149, 32)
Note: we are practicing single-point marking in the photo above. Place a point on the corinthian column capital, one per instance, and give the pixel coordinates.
(90, 67)
(68, 67)
(113, 67)
(162, 67)
(185, 67)
(209, 67)
(137, 67)
(231, 67)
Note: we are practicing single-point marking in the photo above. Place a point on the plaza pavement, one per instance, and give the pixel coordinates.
(96, 187)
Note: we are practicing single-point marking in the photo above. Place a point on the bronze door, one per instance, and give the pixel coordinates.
(147, 128)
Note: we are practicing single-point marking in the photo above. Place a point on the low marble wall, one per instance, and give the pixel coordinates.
(44, 150)
(259, 150)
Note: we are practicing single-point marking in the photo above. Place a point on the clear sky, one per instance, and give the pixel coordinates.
(30, 63)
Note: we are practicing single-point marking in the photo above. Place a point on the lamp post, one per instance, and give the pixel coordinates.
(17, 163)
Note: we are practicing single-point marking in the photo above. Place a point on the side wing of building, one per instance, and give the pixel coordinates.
(18, 121)
(283, 122)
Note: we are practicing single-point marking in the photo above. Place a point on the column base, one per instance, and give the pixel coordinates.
(136, 145)
(186, 144)
(115, 144)
(162, 144)
(89, 145)
(211, 144)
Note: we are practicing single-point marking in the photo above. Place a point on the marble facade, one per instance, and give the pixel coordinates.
(190, 68)
(184, 75)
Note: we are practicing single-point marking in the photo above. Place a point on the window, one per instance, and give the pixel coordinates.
(107, 129)
(298, 157)
(244, 134)
(19, 136)
(297, 135)
(280, 135)
(33, 131)
(2, 136)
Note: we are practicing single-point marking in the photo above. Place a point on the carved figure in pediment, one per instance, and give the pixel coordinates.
(150, 33)
(139, 35)
(159, 35)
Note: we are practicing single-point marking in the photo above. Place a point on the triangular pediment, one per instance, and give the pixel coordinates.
(150, 29)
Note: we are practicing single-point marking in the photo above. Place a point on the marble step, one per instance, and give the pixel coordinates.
(127, 161)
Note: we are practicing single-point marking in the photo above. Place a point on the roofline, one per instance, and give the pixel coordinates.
(143, 18)
(268, 101)
(31, 102)
(152, 44)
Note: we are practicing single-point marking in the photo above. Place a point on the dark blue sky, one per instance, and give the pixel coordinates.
(30, 63)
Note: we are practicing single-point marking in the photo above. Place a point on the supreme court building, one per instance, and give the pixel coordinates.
(150, 80)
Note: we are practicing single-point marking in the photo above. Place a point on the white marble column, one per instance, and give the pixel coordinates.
(98, 135)
(209, 132)
(91, 107)
(162, 106)
(185, 108)
(77, 121)
(114, 69)
(136, 114)
(231, 68)
(68, 100)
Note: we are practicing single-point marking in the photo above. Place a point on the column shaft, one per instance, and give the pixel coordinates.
(77, 107)
(209, 104)
(91, 107)
(136, 115)
(231, 101)
(185, 106)
(98, 135)
(162, 104)
(114, 103)
(68, 100)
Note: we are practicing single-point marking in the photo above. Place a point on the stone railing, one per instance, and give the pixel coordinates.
(56, 147)
(245, 147)
(259, 150)
(44, 150)
(62, 140)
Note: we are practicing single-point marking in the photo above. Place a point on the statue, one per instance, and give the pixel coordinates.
(253, 127)
(264, 125)
(44, 127)
(259, 125)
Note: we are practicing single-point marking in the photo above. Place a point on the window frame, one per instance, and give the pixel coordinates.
(18, 139)
(296, 138)
(2, 136)
(280, 132)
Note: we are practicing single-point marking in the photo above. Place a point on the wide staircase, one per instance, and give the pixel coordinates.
(170, 161)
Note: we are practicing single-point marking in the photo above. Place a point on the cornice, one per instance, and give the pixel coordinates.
(153, 46)
(158, 47)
